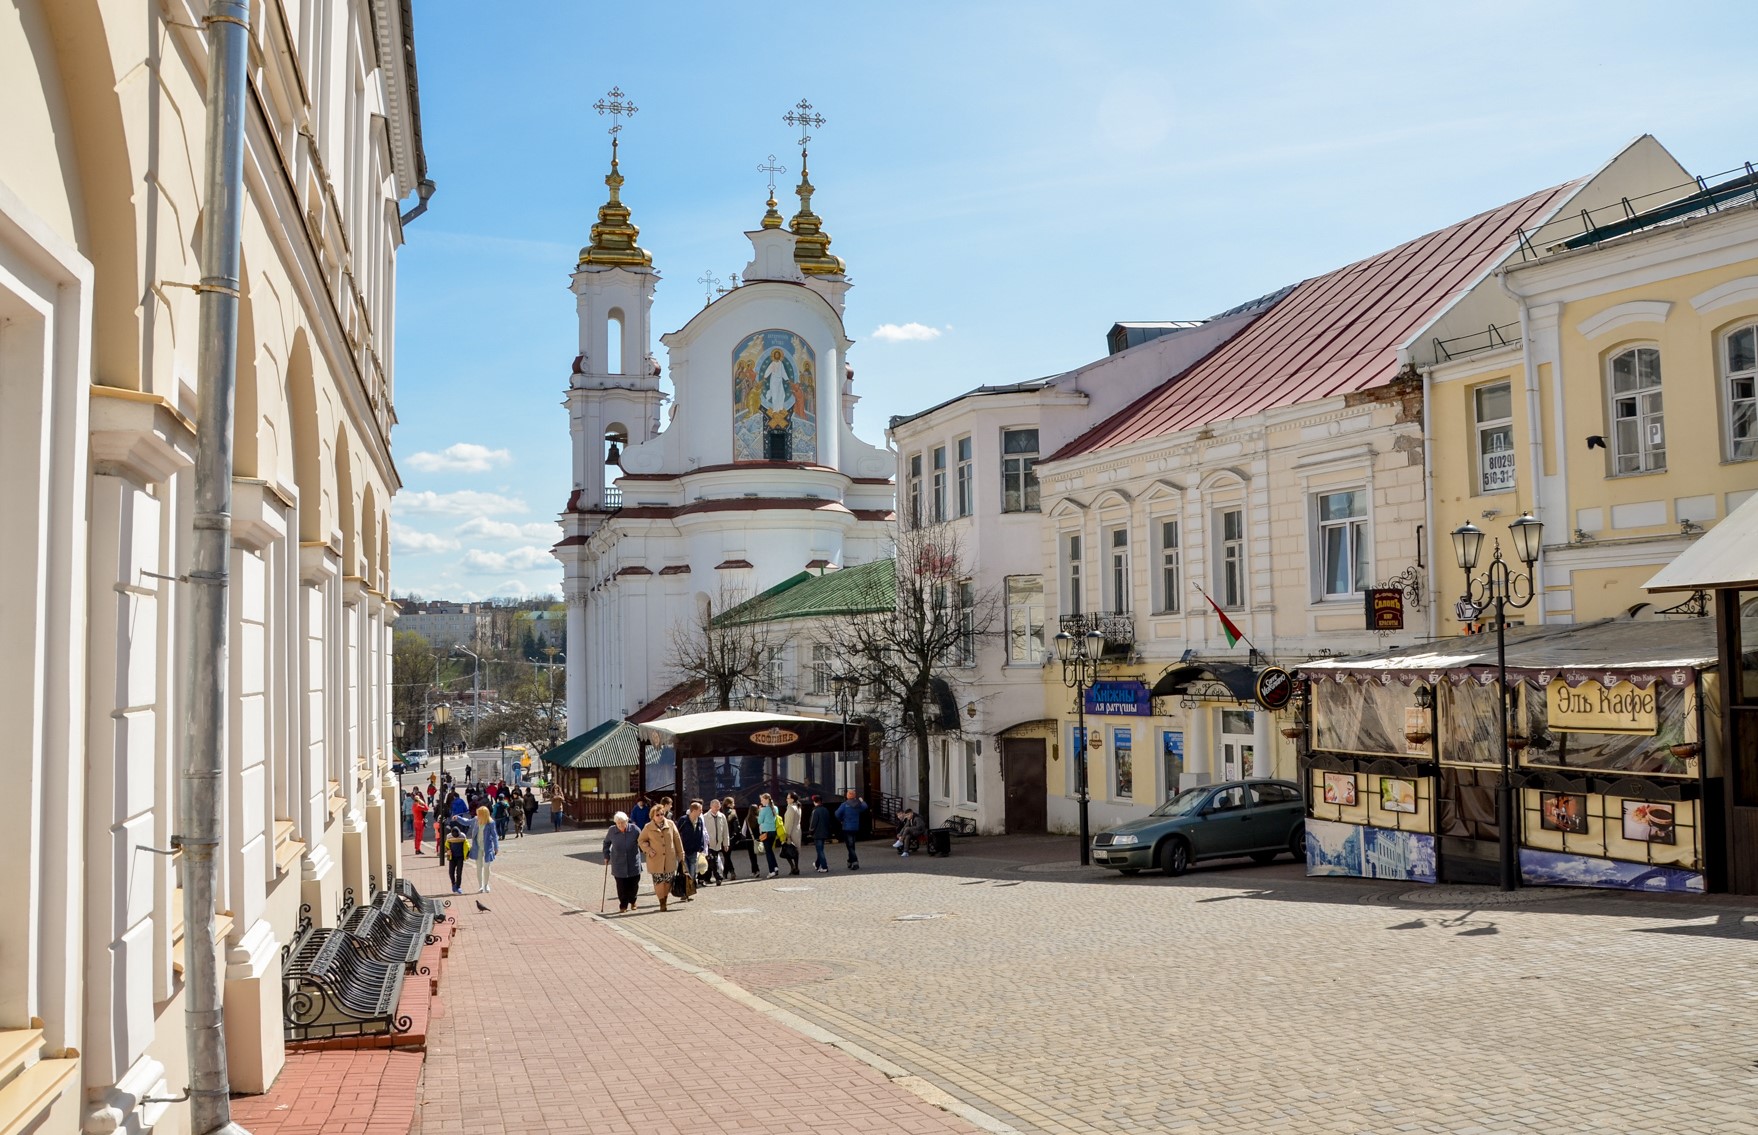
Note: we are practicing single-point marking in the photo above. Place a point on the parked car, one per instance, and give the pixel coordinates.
(1259, 818)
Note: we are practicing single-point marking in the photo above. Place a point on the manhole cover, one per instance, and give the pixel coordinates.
(1478, 897)
(918, 917)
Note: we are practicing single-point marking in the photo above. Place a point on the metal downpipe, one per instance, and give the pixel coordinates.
(204, 662)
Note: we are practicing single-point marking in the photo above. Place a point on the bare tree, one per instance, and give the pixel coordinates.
(722, 648)
(929, 635)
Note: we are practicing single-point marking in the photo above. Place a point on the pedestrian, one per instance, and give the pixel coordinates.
(719, 840)
(820, 831)
(911, 830)
(502, 813)
(418, 813)
(695, 840)
(406, 802)
(848, 814)
(485, 844)
(517, 807)
(622, 854)
(530, 807)
(740, 826)
(641, 813)
(439, 819)
(766, 818)
(455, 804)
(663, 849)
(457, 846)
(790, 843)
(555, 808)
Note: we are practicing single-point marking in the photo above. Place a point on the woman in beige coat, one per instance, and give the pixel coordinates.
(664, 852)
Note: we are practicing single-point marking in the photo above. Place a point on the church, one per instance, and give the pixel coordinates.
(754, 475)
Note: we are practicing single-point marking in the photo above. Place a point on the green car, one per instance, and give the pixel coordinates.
(1259, 818)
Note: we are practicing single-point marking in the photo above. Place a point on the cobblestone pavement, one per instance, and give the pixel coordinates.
(1239, 998)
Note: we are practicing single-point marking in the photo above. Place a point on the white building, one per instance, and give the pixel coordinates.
(100, 204)
(756, 475)
(970, 463)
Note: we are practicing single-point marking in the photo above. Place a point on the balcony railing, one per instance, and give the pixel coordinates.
(1118, 627)
(613, 498)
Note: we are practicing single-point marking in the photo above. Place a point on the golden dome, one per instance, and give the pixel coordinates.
(811, 242)
(613, 237)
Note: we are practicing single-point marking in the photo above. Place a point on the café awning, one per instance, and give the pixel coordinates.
(741, 733)
(1239, 681)
(613, 744)
(1725, 556)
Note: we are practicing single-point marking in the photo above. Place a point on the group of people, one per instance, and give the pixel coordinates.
(468, 824)
(697, 847)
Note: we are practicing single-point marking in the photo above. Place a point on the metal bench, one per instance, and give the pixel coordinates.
(332, 986)
(388, 929)
(406, 891)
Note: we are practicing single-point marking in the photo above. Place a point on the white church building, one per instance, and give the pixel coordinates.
(755, 474)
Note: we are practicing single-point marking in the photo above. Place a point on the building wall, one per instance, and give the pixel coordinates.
(100, 214)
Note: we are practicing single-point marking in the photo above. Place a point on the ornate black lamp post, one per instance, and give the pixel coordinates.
(442, 715)
(1080, 668)
(1502, 587)
(843, 688)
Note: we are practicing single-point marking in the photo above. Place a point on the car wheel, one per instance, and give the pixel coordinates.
(1264, 856)
(1129, 870)
(1175, 857)
(1297, 841)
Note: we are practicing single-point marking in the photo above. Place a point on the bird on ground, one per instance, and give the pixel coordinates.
(479, 905)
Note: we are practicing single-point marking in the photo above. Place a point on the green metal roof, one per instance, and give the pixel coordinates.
(851, 591)
(614, 744)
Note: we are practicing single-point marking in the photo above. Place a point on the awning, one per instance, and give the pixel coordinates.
(1725, 556)
(1239, 681)
(614, 744)
(739, 733)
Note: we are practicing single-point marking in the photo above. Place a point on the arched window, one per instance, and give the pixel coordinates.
(1739, 363)
(613, 342)
(1637, 422)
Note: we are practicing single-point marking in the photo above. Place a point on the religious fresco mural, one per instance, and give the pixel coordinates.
(775, 398)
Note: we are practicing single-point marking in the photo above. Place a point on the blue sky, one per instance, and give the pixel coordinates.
(1011, 177)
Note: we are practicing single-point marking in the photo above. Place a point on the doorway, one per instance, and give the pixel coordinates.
(1022, 771)
(1238, 744)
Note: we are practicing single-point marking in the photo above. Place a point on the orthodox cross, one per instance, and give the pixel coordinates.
(801, 115)
(769, 167)
(617, 108)
(710, 282)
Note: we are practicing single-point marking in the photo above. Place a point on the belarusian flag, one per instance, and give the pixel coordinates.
(1227, 627)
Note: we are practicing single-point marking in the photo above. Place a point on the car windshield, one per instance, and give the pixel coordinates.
(1182, 804)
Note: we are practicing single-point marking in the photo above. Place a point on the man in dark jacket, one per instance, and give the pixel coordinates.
(848, 815)
(820, 830)
(695, 839)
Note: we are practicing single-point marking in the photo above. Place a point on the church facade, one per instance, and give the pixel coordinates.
(755, 475)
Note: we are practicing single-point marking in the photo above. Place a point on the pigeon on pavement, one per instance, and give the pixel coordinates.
(479, 905)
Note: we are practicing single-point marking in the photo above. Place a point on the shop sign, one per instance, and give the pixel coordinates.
(1385, 609)
(1593, 708)
(774, 736)
(1274, 687)
(1119, 699)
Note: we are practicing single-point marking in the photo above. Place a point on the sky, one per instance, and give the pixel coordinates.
(1004, 180)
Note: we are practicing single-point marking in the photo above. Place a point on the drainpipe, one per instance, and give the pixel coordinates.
(1534, 429)
(203, 644)
(1427, 542)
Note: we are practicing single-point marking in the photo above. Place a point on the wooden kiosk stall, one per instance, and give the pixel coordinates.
(596, 772)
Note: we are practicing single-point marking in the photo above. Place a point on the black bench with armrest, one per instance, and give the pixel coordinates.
(332, 986)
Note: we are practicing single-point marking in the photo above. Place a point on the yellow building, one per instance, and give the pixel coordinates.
(1618, 406)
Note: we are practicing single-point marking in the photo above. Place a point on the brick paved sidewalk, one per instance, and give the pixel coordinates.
(551, 1021)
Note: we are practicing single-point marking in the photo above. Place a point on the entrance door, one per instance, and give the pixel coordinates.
(1238, 744)
(1022, 771)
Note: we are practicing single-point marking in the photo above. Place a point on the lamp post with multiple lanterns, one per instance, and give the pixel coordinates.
(1080, 668)
(1502, 587)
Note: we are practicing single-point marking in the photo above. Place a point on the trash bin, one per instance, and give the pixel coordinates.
(940, 841)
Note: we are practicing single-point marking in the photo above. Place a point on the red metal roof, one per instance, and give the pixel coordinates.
(1333, 334)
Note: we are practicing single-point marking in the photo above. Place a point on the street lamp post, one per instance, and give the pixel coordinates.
(1080, 668)
(442, 715)
(1502, 587)
(843, 688)
(475, 698)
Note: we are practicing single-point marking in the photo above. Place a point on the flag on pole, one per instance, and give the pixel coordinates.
(1227, 628)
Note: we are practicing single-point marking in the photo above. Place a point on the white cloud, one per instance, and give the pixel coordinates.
(465, 502)
(464, 457)
(409, 542)
(482, 528)
(527, 558)
(905, 332)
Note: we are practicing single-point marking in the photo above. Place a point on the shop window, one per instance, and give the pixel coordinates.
(1122, 764)
(1494, 410)
(1638, 424)
(1740, 371)
(1171, 762)
(1019, 470)
(1071, 597)
(1341, 546)
(1025, 619)
(1170, 585)
(966, 479)
(939, 483)
(1230, 557)
(1117, 579)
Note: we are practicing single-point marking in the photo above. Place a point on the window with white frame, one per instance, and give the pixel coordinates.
(1493, 407)
(1739, 360)
(1117, 577)
(821, 667)
(1230, 557)
(939, 483)
(915, 490)
(967, 623)
(965, 478)
(945, 769)
(1019, 470)
(1638, 425)
(1341, 544)
(972, 752)
(1071, 598)
(774, 672)
(1171, 586)
(1025, 619)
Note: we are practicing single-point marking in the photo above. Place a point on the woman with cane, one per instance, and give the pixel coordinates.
(622, 845)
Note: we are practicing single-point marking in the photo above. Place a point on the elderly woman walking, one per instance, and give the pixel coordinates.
(664, 851)
(622, 852)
